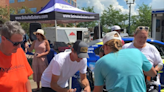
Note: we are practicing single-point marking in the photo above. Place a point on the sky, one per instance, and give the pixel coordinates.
(100, 5)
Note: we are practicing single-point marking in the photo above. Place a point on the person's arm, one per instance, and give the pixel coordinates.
(158, 63)
(26, 47)
(28, 71)
(98, 89)
(47, 50)
(158, 59)
(85, 82)
(152, 72)
(28, 86)
(32, 46)
(147, 67)
(99, 80)
(56, 87)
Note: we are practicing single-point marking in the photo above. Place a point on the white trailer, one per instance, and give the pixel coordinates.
(158, 25)
(66, 34)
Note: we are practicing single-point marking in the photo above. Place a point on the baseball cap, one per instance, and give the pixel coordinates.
(81, 49)
(110, 36)
(116, 28)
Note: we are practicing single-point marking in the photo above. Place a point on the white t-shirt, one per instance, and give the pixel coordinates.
(62, 66)
(150, 52)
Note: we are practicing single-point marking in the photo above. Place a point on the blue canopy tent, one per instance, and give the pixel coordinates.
(57, 11)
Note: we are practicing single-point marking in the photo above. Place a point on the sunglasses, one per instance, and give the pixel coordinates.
(143, 27)
(15, 43)
(37, 34)
(117, 30)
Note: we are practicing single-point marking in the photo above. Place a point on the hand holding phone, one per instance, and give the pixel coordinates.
(36, 54)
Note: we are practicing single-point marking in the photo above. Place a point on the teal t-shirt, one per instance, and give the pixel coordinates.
(122, 71)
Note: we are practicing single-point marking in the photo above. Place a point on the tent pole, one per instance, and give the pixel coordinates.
(56, 30)
(99, 30)
(70, 83)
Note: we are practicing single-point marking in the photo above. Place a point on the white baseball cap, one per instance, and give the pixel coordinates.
(115, 27)
(110, 36)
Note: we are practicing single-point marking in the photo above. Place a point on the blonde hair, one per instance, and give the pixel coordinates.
(114, 44)
(138, 30)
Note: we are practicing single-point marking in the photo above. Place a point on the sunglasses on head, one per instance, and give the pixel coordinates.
(15, 43)
(143, 27)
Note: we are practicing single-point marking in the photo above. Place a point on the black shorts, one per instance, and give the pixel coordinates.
(47, 89)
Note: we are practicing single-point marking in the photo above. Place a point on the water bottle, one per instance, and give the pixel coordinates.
(159, 88)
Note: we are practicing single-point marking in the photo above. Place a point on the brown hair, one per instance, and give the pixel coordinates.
(43, 37)
(114, 44)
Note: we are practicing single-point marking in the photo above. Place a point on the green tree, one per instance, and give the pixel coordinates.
(133, 23)
(143, 19)
(4, 14)
(144, 15)
(112, 17)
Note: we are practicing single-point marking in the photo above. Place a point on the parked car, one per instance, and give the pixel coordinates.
(95, 45)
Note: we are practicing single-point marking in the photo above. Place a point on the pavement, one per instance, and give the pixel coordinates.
(34, 86)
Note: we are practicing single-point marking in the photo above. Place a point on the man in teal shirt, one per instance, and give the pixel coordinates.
(121, 70)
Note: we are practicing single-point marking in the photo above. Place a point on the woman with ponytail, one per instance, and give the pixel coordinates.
(121, 70)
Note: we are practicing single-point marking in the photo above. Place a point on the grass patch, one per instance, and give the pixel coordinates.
(31, 77)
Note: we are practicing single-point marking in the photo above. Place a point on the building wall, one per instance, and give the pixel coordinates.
(38, 4)
(4, 3)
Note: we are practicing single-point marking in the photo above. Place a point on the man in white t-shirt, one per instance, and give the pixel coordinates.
(63, 66)
(150, 51)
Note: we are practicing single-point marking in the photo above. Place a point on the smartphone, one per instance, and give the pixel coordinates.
(36, 54)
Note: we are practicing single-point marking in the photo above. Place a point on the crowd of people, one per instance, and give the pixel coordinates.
(121, 67)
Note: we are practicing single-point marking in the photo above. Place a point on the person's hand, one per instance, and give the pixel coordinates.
(155, 78)
(72, 90)
(37, 55)
(87, 89)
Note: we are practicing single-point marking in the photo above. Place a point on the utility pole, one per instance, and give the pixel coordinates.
(128, 31)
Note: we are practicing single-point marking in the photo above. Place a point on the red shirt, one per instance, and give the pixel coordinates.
(123, 42)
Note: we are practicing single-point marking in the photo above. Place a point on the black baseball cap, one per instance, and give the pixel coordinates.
(81, 48)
